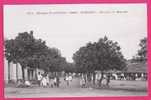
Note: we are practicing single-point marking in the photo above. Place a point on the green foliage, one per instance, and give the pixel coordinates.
(102, 55)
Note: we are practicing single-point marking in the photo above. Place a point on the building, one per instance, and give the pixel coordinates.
(135, 71)
(13, 72)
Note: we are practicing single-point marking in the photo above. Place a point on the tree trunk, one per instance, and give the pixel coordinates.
(8, 72)
(100, 81)
(55, 74)
(88, 79)
(93, 78)
(36, 74)
(23, 74)
(17, 72)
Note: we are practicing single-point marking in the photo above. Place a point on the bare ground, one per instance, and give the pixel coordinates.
(117, 88)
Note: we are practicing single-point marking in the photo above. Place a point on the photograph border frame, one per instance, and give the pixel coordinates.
(33, 2)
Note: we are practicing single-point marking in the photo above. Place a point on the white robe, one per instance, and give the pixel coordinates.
(44, 81)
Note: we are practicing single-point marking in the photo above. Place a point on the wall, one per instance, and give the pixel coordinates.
(13, 70)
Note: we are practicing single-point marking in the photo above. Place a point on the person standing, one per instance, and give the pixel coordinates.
(82, 82)
(47, 79)
(55, 81)
(108, 79)
(39, 77)
(67, 79)
(70, 78)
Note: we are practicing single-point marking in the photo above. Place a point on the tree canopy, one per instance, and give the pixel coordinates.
(141, 55)
(69, 67)
(103, 55)
(29, 51)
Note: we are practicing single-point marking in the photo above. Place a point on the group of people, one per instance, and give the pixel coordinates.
(86, 82)
(44, 80)
(47, 80)
(129, 76)
(68, 78)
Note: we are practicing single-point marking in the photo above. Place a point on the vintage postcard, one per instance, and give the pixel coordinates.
(75, 50)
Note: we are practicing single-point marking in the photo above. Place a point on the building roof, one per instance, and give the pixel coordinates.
(137, 67)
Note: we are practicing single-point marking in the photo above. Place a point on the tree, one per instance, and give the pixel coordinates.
(9, 44)
(23, 49)
(141, 55)
(32, 52)
(103, 55)
(69, 68)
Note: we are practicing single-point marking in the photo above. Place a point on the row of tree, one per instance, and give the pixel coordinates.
(103, 55)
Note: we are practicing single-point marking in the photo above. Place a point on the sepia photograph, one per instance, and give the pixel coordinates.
(75, 50)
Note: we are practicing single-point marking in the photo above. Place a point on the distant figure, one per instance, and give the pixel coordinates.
(20, 83)
(70, 78)
(51, 83)
(122, 76)
(39, 76)
(47, 79)
(44, 81)
(82, 83)
(57, 81)
(27, 84)
(67, 79)
(115, 76)
(104, 82)
(108, 80)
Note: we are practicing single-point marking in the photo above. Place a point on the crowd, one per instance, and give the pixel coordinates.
(46, 80)
(86, 82)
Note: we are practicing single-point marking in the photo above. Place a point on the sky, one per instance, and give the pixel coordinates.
(70, 26)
